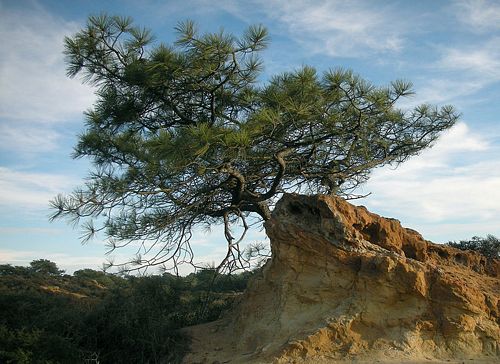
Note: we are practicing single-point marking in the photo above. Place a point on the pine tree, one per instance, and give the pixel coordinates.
(185, 135)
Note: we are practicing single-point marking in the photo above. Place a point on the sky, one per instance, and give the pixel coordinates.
(450, 50)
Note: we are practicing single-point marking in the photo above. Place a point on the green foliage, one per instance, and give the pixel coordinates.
(138, 324)
(182, 135)
(49, 318)
(45, 266)
(17, 345)
(38, 324)
(488, 246)
(9, 270)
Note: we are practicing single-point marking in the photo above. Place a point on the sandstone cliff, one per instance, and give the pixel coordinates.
(345, 284)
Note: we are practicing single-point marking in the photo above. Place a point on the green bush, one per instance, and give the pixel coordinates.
(488, 246)
(53, 318)
(138, 324)
(45, 266)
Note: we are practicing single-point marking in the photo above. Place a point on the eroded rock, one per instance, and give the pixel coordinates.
(344, 283)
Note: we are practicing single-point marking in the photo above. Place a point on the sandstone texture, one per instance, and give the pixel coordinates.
(346, 285)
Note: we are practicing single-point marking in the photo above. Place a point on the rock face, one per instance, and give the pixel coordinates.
(344, 283)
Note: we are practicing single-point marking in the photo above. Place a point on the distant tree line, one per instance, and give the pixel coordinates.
(488, 246)
(51, 317)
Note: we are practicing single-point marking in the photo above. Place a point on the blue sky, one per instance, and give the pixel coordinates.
(450, 50)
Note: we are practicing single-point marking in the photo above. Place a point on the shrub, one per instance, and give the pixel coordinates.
(488, 246)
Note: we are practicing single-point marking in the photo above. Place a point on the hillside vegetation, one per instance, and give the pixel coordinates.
(50, 317)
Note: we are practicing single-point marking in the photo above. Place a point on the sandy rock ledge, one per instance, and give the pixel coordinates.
(348, 286)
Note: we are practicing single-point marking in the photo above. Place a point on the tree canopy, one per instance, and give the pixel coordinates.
(188, 135)
(45, 266)
(488, 246)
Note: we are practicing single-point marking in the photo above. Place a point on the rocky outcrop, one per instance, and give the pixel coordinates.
(344, 283)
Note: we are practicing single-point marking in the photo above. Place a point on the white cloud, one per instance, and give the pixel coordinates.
(32, 71)
(469, 64)
(14, 230)
(444, 90)
(463, 70)
(480, 15)
(17, 257)
(455, 185)
(480, 60)
(31, 190)
(34, 90)
(69, 263)
(25, 138)
(337, 28)
(458, 139)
